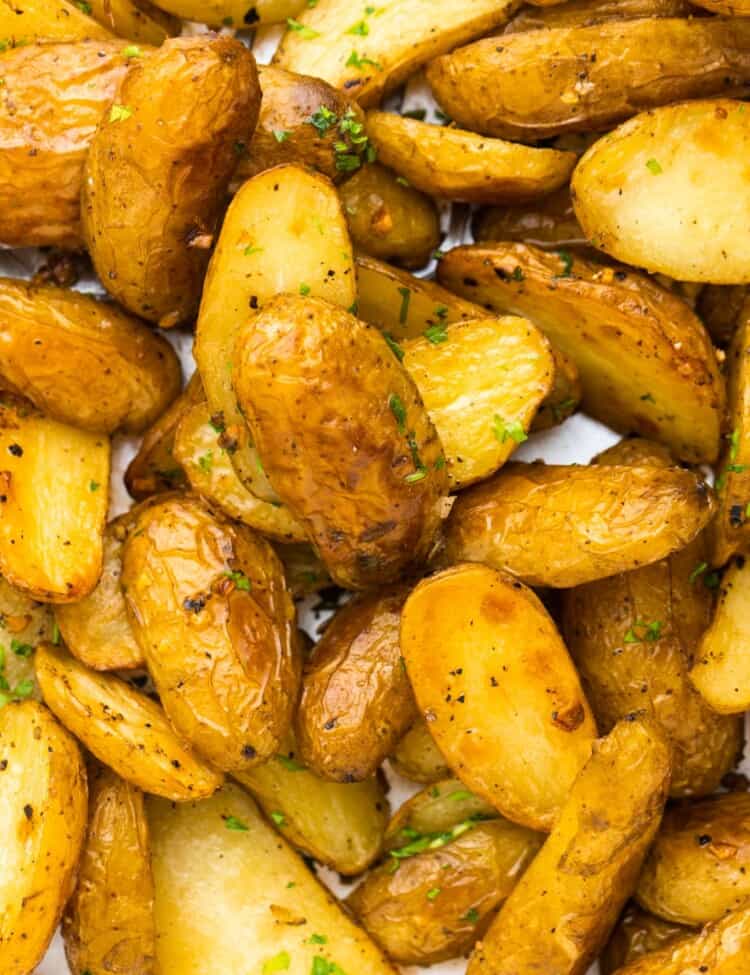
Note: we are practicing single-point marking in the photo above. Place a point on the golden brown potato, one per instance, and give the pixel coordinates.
(697, 869)
(52, 99)
(584, 13)
(206, 857)
(646, 363)
(211, 613)
(158, 169)
(359, 464)
(82, 361)
(370, 56)
(338, 824)
(234, 13)
(733, 8)
(719, 307)
(721, 672)
(33, 20)
(356, 699)
(53, 493)
(498, 669)
(635, 935)
(460, 165)
(305, 573)
(659, 170)
(43, 823)
(436, 903)
(138, 20)
(438, 809)
(124, 729)
(549, 223)
(539, 84)
(559, 915)
(417, 757)
(481, 383)
(565, 396)
(24, 624)
(108, 924)
(284, 232)
(636, 452)
(388, 218)
(562, 526)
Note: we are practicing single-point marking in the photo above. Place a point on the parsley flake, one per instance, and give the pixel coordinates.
(653, 166)
(643, 632)
(508, 431)
(231, 822)
(119, 113)
(306, 33)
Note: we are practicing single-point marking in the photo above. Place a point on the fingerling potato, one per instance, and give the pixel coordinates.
(436, 809)
(549, 223)
(460, 165)
(234, 13)
(304, 571)
(43, 822)
(637, 172)
(37, 20)
(108, 925)
(123, 728)
(24, 624)
(733, 8)
(138, 20)
(635, 935)
(584, 13)
(417, 757)
(719, 307)
(498, 670)
(163, 156)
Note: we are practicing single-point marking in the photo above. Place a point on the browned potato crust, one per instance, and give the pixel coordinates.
(368, 492)
(539, 84)
(549, 223)
(497, 669)
(356, 698)
(635, 935)
(109, 921)
(83, 361)
(733, 8)
(305, 573)
(558, 917)
(646, 363)
(562, 526)
(719, 307)
(417, 757)
(585, 13)
(43, 825)
(24, 623)
(388, 218)
(158, 169)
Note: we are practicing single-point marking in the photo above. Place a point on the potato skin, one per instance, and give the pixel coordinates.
(417, 757)
(549, 223)
(211, 613)
(369, 522)
(82, 361)
(438, 809)
(167, 166)
(108, 924)
(236, 13)
(44, 824)
(585, 13)
(356, 698)
(719, 307)
(636, 934)
(531, 86)
(138, 20)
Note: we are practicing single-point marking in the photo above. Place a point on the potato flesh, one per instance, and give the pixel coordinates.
(417, 757)
(138, 20)
(24, 624)
(239, 14)
(56, 21)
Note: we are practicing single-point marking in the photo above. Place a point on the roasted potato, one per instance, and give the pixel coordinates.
(370, 57)
(369, 489)
(82, 361)
(108, 924)
(158, 168)
(43, 823)
(234, 13)
(305, 573)
(438, 809)
(721, 672)
(549, 223)
(719, 307)
(539, 84)
(356, 699)
(562, 526)
(584, 13)
(339, 824)
(559, 915)
(435, 905)
(24, 21)
(646, 363)
(388, 218)
(635, 935)
(24, 624)
(634, 175)
(636, 452)
(460, 165)
(205, 920)
(124, 729)
(732, 8)
(138, 20)
(417, 757)
(498, 669)
(211, 613)
(284, 232)
(53, 493)
(565, 396)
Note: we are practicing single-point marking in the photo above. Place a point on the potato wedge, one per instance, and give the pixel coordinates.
(435, 905)
(356, 698)
(43, 817)
(636, 173)
(635, 935)
(138, 20)
(559, 915)
(369, 56)
(437, 809)
(585, 13)
(108, 924)
(338, 824)
(205, 920)
(24, 21)
(646, 363)
(234, 13)
(53, 98)
(164, 155)
(539, 84)
(721, 671)
(24, 624)
(53, 492)
(460, 165)
(417, 757)
(498, 670)
(82, 361)
(124, 729)
(636, 452)
(565, 396)
(719, 307)
(481, 382)
(360, 464)
(549, 223)
(388, 218)
(284, 232)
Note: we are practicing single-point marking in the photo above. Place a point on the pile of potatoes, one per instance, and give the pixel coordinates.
(556, 656)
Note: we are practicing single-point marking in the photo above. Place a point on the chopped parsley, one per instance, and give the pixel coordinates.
(360, 62)
(279, 818)
(471, 915)
(697, 572)
(281, 135)
(434, 893)
(206, 461)
(567, 262)
(304, 289)
(249, 250)
(240, 580)
(393, 346)
(653, 166)
(403, 313)
(734, 444)
(418, 475)
(119, 113)
(361, 29)
(94, 486)
(289, 763)
(419, 842)
(231, 822)
(317, 939)
(21, 649)
(279, 963)
(306, 33)
(508, 431)
(642, 631)
(397, 408)
(436, 333)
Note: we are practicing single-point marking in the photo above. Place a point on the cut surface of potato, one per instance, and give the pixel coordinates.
(24, 624)
(38, 20)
